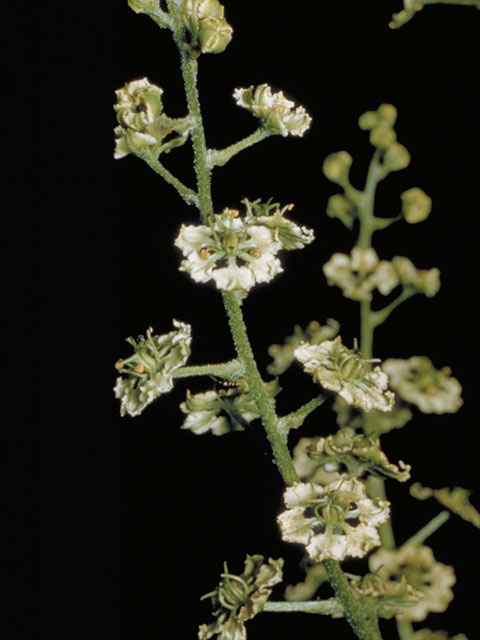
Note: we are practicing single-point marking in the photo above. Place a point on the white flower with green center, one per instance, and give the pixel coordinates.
(418, 382)
(360, 273)
(148, 372)
(239, 598)
(273, 110)
(335, 521)
(417, 564)
(233, 253)
(344, 371)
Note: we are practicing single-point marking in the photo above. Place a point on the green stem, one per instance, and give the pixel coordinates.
(226, 370)
(280, 450)
(376, 489)
(366, 205)
(367, 328)
(379, 317)
(297, 418)
(430, 528)
(363, 622)
(220, 157)
(187, 194)
(330, 607)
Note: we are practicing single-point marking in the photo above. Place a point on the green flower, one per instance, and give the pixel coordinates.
(239, 598)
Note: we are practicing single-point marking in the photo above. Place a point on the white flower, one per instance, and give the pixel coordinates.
(344, 371)
(238, 252)
(418, 382)
(149, 370)
(422, 572)
(360, 273)
(335, 521)
(274, 110)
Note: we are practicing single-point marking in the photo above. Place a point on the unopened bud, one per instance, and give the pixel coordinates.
(368, 120)
(382, 137)
(416, 205)
(387, 114)
(396, 157)
(337, 165)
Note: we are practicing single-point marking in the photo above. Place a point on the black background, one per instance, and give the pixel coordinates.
(124, 523)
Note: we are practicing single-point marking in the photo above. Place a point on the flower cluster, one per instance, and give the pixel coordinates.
(224, 410)
(418, 382)
(148, 372)
(359, 274)
(239, 598)
(207, 25)
(382, 136)
(274, 110)
(284, 354)
(142, 123)
(344, 371)
(422, 572)
(238, 252)
(334, 521)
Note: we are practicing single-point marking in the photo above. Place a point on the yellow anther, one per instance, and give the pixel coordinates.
(139, 368)
(204, 255)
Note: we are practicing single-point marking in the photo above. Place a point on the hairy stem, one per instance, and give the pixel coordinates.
(363, 622)
(280, 450)
(328, 607)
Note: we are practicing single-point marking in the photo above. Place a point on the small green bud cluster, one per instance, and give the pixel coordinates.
(205, 21)
(383, 137)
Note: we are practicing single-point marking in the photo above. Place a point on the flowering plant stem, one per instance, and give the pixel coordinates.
(369, 320)
(365, 628)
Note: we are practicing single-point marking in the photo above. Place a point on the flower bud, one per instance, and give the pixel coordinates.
(387, 114)
(205, 20)
(396, 157)
(416, 205)
(368, 120)
(214, 34)
(382, 137)
(340, 207)
(336, 166)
